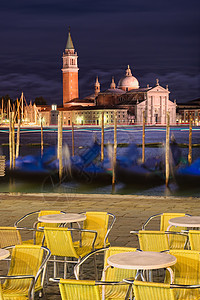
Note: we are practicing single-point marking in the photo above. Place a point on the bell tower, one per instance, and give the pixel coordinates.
(70, 72)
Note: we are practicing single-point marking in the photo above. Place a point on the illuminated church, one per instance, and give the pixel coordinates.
(127, 97)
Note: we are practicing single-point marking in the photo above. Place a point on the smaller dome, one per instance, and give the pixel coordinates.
(128, 82)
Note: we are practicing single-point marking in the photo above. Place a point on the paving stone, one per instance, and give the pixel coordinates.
(131, 212)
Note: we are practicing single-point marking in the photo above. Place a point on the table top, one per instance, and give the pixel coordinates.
(141, 260)
(193, 221)
(62, 218)
(4, 253)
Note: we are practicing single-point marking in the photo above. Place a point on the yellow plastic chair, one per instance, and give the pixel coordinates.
(79, 290)
(153, 240)
(38, 235)
(152, 291)
(194, 239)
(26, 272)
(162, 291)
(112, 274)
(98, 221)
(59, 241)
(116, 274)
(84, 289)
(175, 241)
(186, 272)
(164, 220)
(9, 236)
(160, 240)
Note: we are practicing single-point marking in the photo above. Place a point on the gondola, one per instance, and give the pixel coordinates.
(189, 176)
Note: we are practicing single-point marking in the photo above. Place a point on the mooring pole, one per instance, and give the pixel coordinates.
(13, 137)
(167, 151)
(73, 139)
(190, 142)
(143, 138)
(18, 138)
(114, 152)
(10, 141)
(42, 139)
(2, 110)
(102, 136)
(60, 144)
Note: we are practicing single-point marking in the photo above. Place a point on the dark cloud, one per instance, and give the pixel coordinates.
(91, 6)
(157, 38)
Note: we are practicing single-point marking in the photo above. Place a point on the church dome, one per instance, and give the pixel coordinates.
(128, 82)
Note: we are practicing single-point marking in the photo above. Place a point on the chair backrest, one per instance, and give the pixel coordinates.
(1, 293)
(97, 221)
(153, 240)
(164, 221)
(9, 236)
(79, 289)
(59, 241)
(25, 260)
(150, 290)
(116, 274)
(186, 270)
(194, 238)
(39, 235)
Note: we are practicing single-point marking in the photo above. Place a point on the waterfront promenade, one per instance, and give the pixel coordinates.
(131, 211)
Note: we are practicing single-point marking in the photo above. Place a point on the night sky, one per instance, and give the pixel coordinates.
(158, 39)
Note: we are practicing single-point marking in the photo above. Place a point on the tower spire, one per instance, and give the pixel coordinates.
(97, 86)
(69, 44)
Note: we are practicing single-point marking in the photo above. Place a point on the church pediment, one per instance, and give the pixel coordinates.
(158, 88)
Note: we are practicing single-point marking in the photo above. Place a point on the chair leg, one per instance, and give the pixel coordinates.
(54, 267)
(78, 269)
(95, 267)
(65, 268)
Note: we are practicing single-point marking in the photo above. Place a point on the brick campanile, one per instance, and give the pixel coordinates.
(70, 72)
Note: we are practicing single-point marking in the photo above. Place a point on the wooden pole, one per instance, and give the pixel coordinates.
(190, 142)
(35, 112)
(114, 152)
(18, 139)
(143, 138)
(42, 139)
(10, 141)
(102, 136)
(2, 110)
(8, 109)
(22, 105)
(13, 137)
(18, 115)
(73, 139)
(60, 144)
(167, 151)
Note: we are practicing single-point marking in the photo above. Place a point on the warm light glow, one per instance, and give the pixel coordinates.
(79, 119)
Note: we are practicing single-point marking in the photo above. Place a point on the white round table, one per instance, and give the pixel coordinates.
(193, 221)
(142, 260)
(4, 253)
(62, 218)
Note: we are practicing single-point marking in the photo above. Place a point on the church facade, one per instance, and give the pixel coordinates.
(127, 98)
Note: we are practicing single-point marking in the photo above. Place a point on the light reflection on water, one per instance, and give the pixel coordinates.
(83, 139)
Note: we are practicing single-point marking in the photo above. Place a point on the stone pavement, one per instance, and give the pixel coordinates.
(131, 211)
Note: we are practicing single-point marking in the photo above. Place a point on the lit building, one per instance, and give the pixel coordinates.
(187, 110)
(128, 99)
(154, 101)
